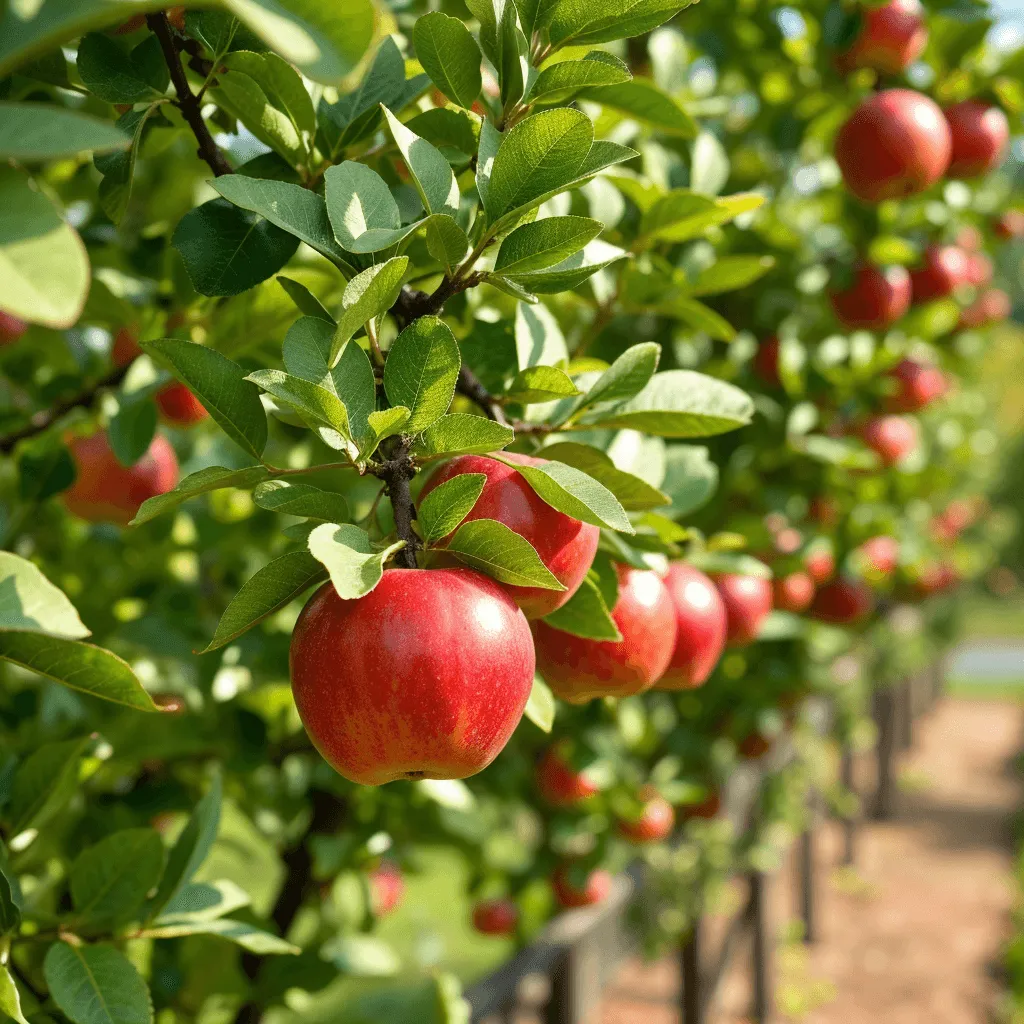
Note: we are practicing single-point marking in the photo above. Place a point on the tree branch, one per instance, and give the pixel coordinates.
(191, 108)
(469, 385)
(412, 303)
(396, 473)
(45, 419)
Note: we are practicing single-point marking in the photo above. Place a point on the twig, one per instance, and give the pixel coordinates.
(191, 108)
(396, 473)
(469, 385)
(45, 419)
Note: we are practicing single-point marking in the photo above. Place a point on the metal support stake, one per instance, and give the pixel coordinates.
(850, 821)
(689, 964)
(885, 719)
(807, 878)
(762, 1008)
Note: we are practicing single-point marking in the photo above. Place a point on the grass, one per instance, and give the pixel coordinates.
(982, 689)
(992, 619)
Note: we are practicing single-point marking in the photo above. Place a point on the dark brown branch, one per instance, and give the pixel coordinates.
(191, 109)
(469, 385)
(396, 473)
(46, 418)
(412, 303)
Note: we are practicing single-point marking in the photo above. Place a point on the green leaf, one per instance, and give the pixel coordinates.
(309, 400)
(10, 899)
(454, 131)
(364, 956)
(691, 478)
(543, 152)
(540, 384)
(110, 880)
(362, 210)
(355, 565)
(32, 132)
(203, 901)
(510, 54)
(461, 433)
(450, 56)
(79, 666)
(539, 339)
(544, 243)
(682, 215)
(281, 581)
(250, 938)
(118, 169)
(626, 377)
(242, 96)
(44, 268)
(581, 21)
(730, 273)
(283, 86)
(502, 553)
(490, 141)
(297, 499)
(728, 562)
(573, 492)
(559, 82)
(540, 708)
(431, 174)
(201, 482)
(96, 985)
(586, 614)
(699, 317)
(308, 304)
(382, 424)
(292, 208)
(44, 783)
(227, 250)
(221, 385)
(10, 998)
(111, 73)
(191, 848)
(681, 403)
(709, 168)
(367, 296)
(446, 241)
(643, 100)
(571, 272)
(632, 492)
(446, 506)
(30, 602)
(131, 429)
(421, 371)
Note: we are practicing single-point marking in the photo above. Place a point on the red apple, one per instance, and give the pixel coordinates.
(425, 677)
(892, 438)
(753, 746)
(788, 540)
(842, 602)
(125, 348)
(979, 269)
(387, 887)
(708, 808)
(11, 328)
(979, 136)
(936, 578)
(565, 545)
(881, 555)
(179, 406)
(578, 669)
(877, 297)
(654, 822)
(993, 306)
(792, 592)
(891, 37)
(953, 520)
(766, 362)
(106, 491)
(918, 385)
(895, 143)
(945, 268)
(1009, 224)
(559, 783)
(748, 602)
(821, 564)
(582, 892)
(701, 621)
(496, 917)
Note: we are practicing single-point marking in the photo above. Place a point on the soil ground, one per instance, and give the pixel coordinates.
(912, 935)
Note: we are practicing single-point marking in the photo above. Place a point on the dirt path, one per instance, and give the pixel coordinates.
(911, 936)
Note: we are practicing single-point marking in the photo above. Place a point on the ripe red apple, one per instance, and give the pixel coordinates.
(979, 134)
(918, 385)
(979, 269)
(892, 438)
(944, 269)
(125, 348)
(881, 554)
(654, 822)
(821, 564)
(701, 621)
(896, 143)
(708, 808)
(559, 783)
(748, 602)
(793, 592)
(387, 888)
(179, 406)
(970, 239)
(842, 602)
(766, 362)
(892, 36)
(1009, 224)
(935, 578)
(566, 546)
(578, 669)
(106, 491)
(584, 891)
(993, 306)
(953, 520)
(753, 746)
(877, 297)
(425, 677)
(496, 917)
(11, 328)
